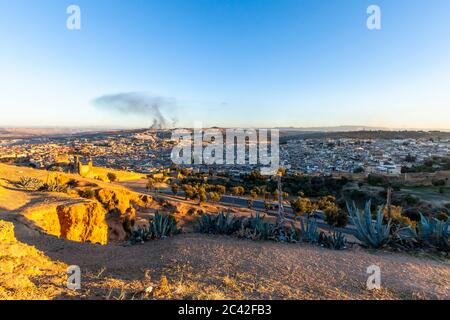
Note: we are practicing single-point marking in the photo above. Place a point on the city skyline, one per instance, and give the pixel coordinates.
(228, 64)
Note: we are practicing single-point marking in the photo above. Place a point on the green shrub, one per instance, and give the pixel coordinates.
(336, 217)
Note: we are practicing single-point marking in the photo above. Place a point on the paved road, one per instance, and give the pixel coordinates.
(229, 200)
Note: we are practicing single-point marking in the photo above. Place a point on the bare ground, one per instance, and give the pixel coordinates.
(195, 266)
(218, 267)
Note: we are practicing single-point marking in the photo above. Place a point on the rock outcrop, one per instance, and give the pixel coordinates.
(23, 268)
(83, 222)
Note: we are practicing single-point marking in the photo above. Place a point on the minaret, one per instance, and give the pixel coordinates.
(76, 164)
(90, 166)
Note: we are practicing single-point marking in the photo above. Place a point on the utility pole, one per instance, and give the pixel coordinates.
(388, 200)
(281, 217)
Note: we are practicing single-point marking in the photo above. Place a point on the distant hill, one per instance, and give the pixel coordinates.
(31, 132)
(365, 134)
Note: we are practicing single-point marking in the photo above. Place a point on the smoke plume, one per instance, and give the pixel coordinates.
(138, 104)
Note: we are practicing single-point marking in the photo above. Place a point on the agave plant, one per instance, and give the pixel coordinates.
(336, 240)
(206, 224)
(256, 228)
(30, 184)
(373, 234)
(226, 224)
(308, 231)
(139, 236)
(435, 232)
(261, 229)
(163, 226)
(217, 224)
(55, 186)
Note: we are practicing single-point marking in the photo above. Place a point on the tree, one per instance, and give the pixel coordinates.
(214, 196)
(303, 205)
(279, 193)
(201, 194)
(150, 184)
(325, 202)
(275, 195)
(237, 191)
(221, 189)
(336, 217)
(255, 190)
(111, 176)
(395, 213)
(189, 191)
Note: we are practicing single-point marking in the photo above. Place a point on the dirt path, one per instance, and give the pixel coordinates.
(202, 266)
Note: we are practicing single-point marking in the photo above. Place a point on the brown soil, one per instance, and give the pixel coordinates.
(190, 265)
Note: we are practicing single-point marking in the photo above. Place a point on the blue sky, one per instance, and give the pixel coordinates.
(256, 63)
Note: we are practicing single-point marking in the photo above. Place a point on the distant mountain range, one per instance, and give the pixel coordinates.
(334, 129)
(22, 132)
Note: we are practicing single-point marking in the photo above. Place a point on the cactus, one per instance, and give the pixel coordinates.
(373, 234)
(336, 240)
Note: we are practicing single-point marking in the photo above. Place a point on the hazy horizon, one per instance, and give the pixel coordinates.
(316, 128)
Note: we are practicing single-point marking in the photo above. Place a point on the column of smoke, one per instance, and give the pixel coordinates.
(135, 103)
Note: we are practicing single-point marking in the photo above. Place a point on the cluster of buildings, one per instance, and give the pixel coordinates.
(325, 156)
(125, 151)
(146, 150)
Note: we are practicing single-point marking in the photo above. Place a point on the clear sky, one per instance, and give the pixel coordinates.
(259, 63)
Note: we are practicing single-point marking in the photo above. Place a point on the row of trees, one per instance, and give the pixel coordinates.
(334, 215)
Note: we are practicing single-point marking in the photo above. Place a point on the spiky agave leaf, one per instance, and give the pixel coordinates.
(374, 234)
(434, 232)
(309, 231)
